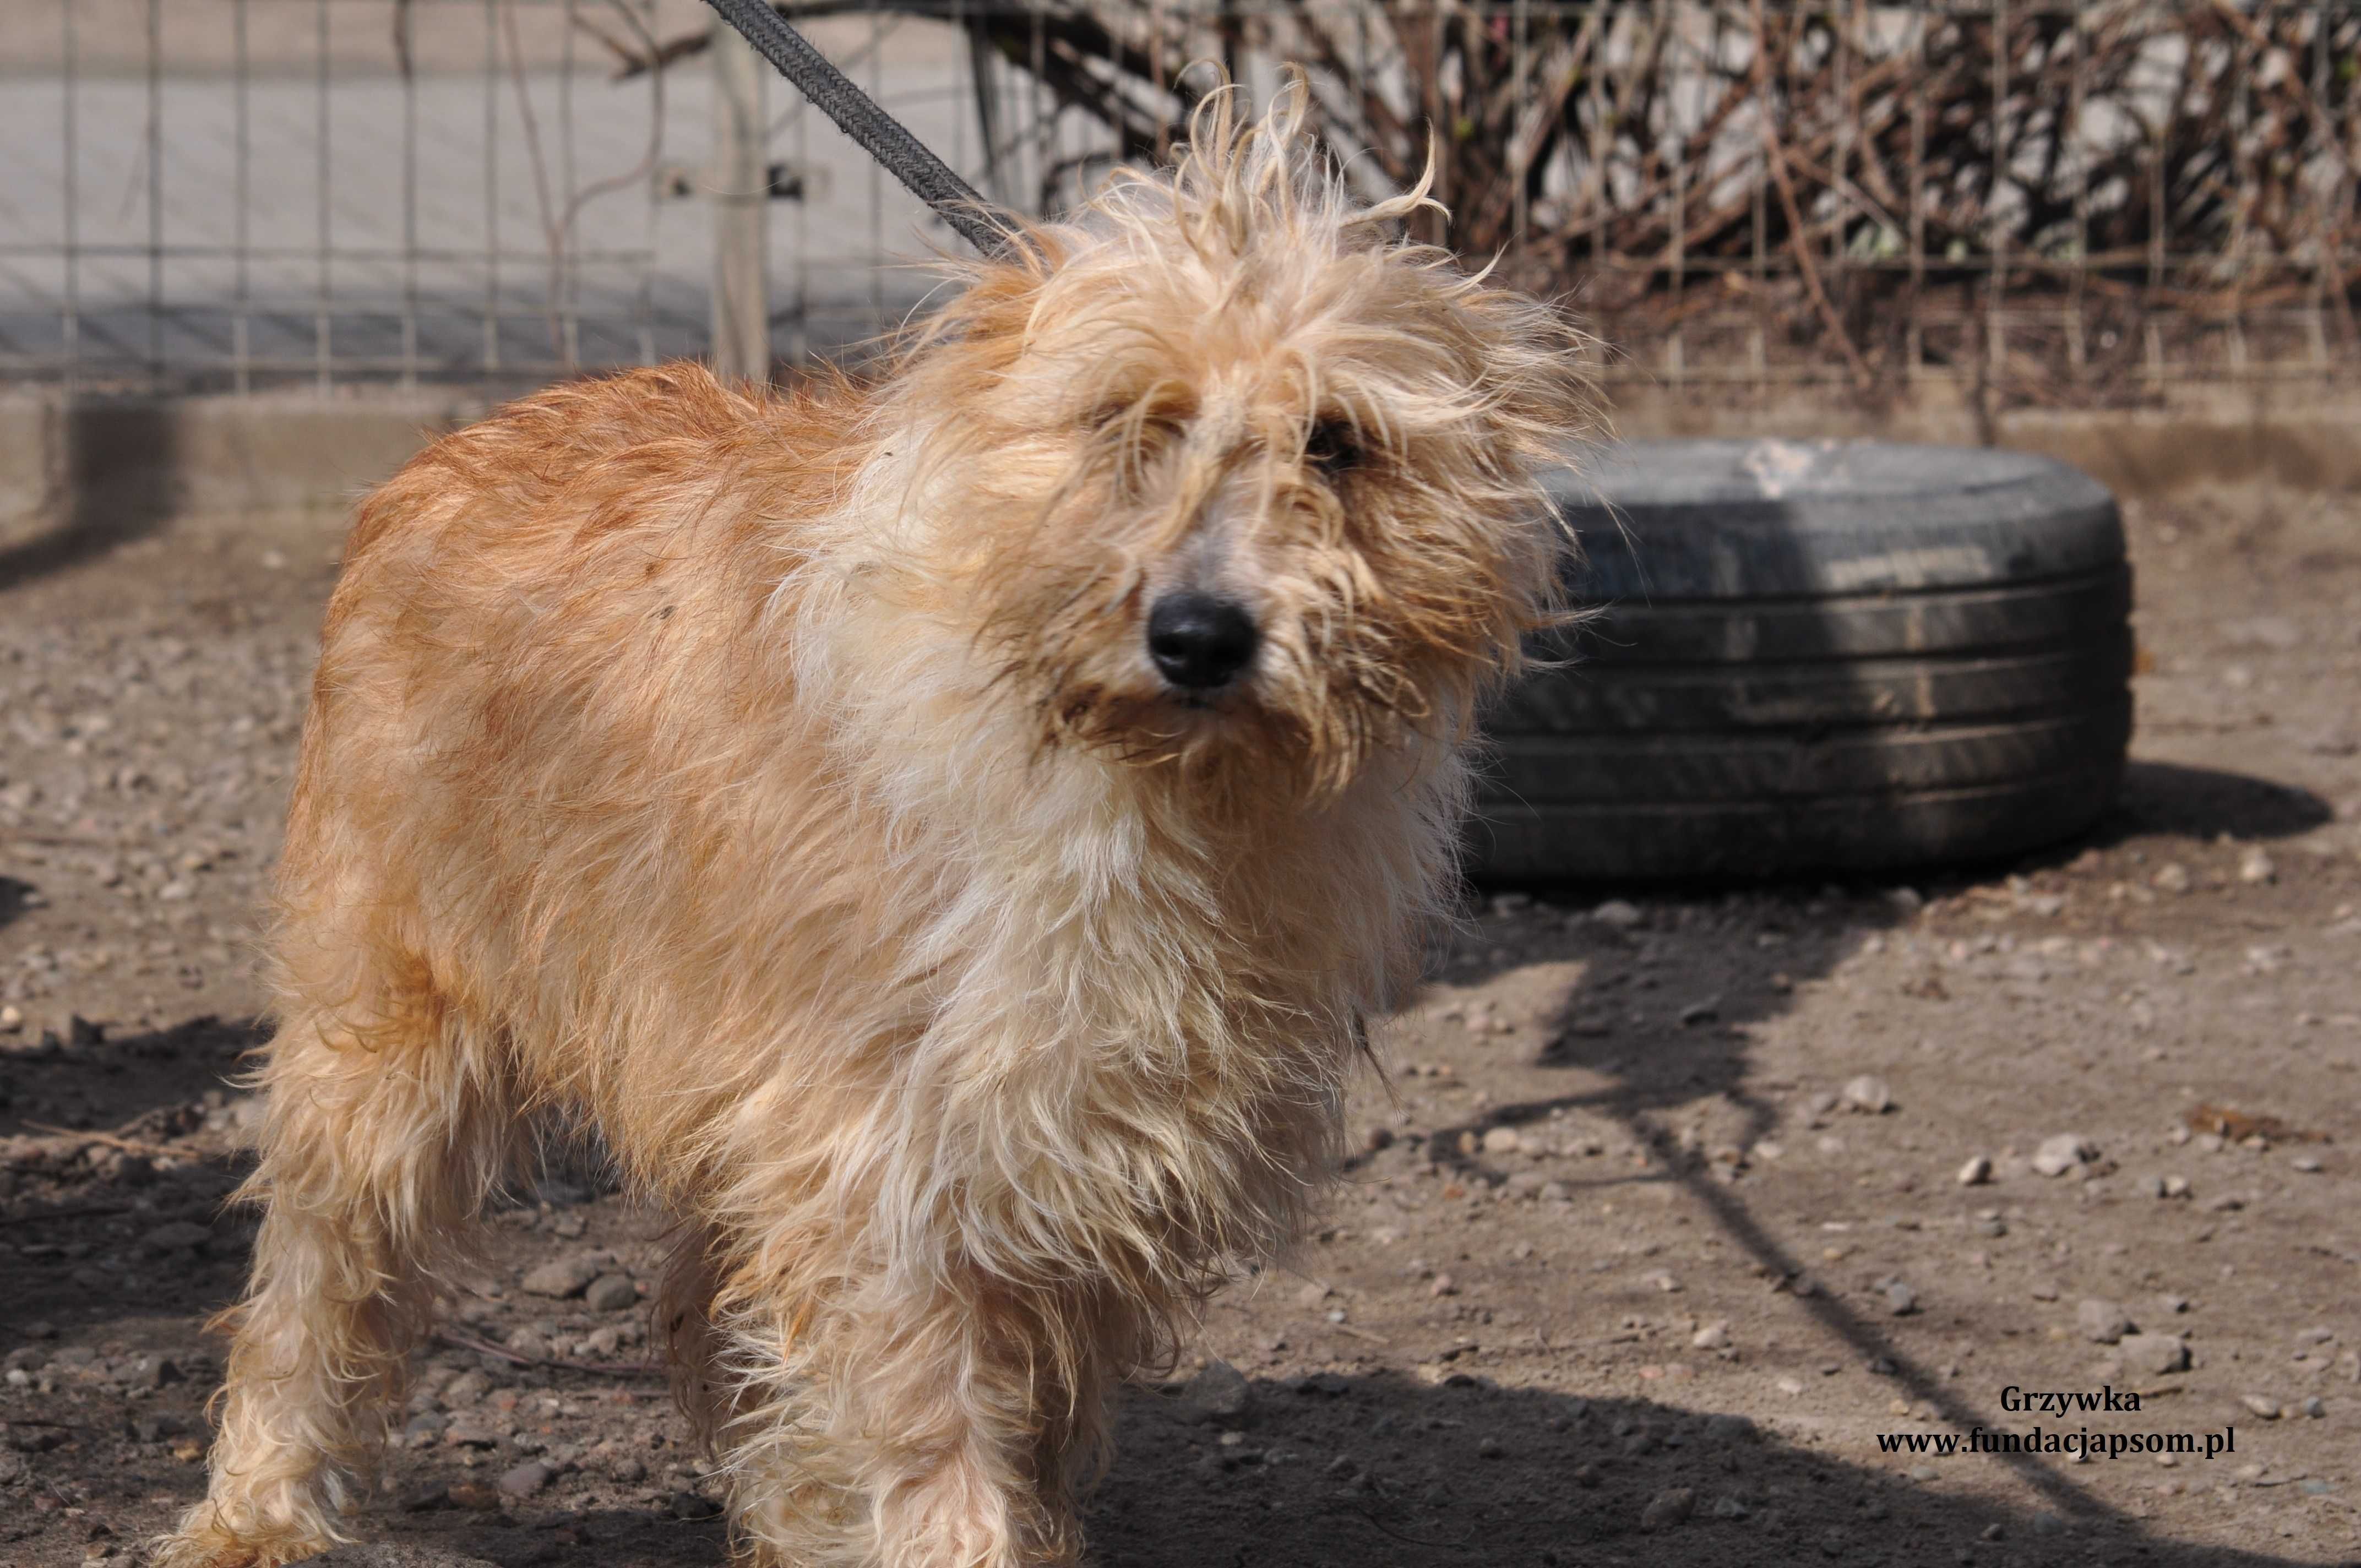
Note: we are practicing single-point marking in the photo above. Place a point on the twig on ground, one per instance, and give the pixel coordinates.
(458, 1341)
(112, 1140)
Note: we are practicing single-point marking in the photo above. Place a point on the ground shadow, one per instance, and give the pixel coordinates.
(92, 1175)
(1330, 1471)
(98, 1171)
(2205, 803)
(16, 897)
(1759, 945)
(116, 480)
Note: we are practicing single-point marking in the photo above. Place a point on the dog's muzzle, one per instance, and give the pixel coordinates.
(1200, 641)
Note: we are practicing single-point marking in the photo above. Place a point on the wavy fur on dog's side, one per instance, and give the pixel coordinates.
(779, 783)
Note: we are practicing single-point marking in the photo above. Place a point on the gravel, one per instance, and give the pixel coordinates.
(2076, 997)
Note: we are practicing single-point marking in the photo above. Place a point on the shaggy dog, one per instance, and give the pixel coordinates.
(946, 833)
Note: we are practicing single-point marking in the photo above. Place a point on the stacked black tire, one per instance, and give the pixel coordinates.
(1817, 657)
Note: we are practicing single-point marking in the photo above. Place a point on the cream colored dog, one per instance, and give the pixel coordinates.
(945, 833)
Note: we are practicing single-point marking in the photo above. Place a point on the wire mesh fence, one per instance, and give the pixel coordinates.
(2058, 202)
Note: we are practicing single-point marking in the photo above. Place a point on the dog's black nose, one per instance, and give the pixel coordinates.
(1198, 641)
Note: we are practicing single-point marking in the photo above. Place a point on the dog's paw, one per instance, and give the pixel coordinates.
(206, 1545)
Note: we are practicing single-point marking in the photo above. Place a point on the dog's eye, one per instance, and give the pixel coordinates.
(1331, 448)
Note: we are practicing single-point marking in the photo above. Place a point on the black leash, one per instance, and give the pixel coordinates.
(904, 156)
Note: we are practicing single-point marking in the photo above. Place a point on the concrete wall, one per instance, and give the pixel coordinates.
(2300, 436)
(113, 467)
(149, 457)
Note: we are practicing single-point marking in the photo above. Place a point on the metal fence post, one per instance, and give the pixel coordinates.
(739, 184)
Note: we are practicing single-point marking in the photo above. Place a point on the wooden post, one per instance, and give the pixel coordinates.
(740, 183)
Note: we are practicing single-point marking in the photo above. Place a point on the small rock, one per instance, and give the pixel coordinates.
(470, 1431)
(2173, 877)
(1501, 1140)
(1900, 1300)
(2152, 1355)
(1729, 1428)
(2058, 1155)
(2255, 866)
(2102, 1323)
(2306, 1164)
(1443, 1286)
(1868, 1093)
(1976, 1172)
(611, 1293)
(2267, 1408)
(1615, 912)
(2172, 1187)
(526, 1479)
(147, 1372)
(466, 1389)
(1713, 1336)
(1220, 1395)
(1668, 1508)
(177, 1235)
(1704, 1011)
(565, 1276)
(11, 1020)
(2315, 1407)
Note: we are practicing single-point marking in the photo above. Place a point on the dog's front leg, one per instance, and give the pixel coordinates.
(925, 1430)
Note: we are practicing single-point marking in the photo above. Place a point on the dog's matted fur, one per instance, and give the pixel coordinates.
(945, 832)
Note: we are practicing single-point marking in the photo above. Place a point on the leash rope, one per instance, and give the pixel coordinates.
(904, 156)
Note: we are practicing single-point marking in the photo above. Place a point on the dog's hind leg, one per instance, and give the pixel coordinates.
(377, 1155)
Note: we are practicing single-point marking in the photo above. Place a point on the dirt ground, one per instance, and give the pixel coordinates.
(1664, 1215)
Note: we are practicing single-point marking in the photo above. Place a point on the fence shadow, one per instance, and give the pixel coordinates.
(114, 478)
